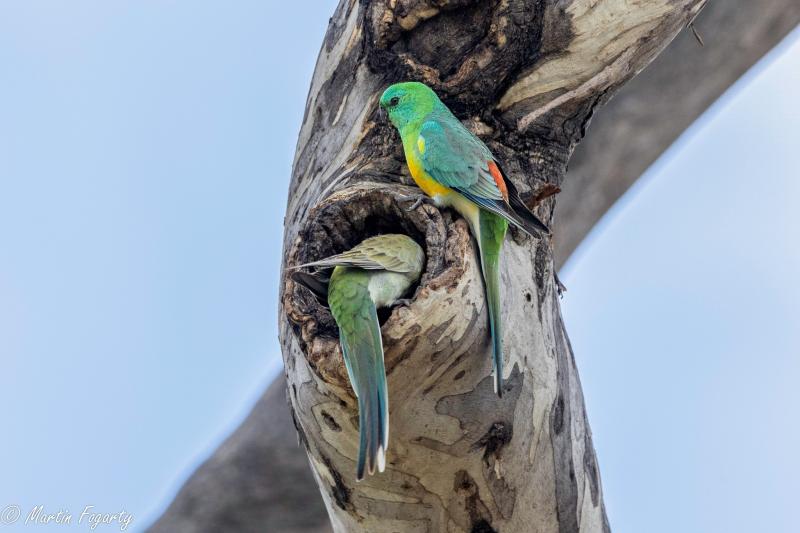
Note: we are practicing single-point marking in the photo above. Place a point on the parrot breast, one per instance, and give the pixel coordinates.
(385, 287)
(428, 185)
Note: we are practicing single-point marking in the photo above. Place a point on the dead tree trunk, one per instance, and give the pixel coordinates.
(526, 76)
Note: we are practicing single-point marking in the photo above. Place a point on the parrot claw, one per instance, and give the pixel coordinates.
(405, 302)
(416, 204)
(418, 199)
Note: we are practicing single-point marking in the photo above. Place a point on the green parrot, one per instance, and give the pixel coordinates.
(373, 274)
(456, 169)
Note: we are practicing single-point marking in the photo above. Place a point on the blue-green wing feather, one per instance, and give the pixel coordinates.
(360, 336)
(454, 157)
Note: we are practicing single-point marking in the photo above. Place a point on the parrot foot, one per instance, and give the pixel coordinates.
(418, 199)
(405, 302)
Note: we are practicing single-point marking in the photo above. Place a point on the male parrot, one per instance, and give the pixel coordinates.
(455, 168)
(376, 273)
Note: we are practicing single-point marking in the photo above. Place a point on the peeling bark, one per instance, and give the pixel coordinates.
(235, 490)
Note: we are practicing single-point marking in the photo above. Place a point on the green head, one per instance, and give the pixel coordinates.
(409, 102)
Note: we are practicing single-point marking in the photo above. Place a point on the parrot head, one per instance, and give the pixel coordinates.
(408, 102)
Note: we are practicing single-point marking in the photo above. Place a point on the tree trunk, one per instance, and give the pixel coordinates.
(526, 76)
(236, 489)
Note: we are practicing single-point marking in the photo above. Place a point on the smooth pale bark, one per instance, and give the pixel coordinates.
(259, 480)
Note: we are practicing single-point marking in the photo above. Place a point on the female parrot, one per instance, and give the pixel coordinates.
(375, 273)
(455, 168)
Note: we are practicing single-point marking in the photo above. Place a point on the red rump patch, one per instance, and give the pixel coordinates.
(494, 170)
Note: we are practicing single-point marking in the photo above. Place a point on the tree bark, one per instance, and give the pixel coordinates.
(236, 489)
(526, 76)
(651, 111)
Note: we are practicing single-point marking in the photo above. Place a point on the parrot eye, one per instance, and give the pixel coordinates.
(394, 101)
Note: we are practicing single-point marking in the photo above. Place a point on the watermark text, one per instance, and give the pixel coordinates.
(89, 516)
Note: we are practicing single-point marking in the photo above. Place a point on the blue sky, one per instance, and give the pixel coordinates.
(145, 151)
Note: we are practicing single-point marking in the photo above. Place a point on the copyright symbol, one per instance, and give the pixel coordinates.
(10, 514)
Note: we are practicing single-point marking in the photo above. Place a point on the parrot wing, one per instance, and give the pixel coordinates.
(456, 158)
(314, 282)
(395, 253)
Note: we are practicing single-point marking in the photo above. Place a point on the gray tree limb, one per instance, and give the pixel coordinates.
(651, 111)
(259, 479)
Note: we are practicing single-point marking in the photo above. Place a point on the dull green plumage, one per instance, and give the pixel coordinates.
(456, 169)
(373, 274)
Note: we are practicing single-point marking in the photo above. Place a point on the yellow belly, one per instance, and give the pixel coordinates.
(429, 186)
(442, 195)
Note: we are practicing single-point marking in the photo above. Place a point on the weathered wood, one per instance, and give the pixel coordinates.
(651, 111)
(259, 479)
(526, 76)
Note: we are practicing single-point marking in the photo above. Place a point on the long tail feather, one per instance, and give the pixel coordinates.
(492, 232)
(363, 352)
